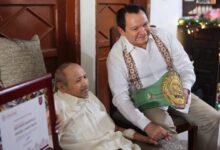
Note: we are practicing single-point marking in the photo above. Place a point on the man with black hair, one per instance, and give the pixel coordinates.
(139, 60)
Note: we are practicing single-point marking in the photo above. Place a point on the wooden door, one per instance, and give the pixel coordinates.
(105, 19)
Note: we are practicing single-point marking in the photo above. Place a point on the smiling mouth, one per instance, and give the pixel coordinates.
(143, 37)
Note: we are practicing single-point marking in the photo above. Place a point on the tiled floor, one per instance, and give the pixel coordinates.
(183, 137)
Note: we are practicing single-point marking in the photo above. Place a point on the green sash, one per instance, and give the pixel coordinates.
(167, 91)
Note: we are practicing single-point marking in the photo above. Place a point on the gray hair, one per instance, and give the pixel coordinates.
(60, 75)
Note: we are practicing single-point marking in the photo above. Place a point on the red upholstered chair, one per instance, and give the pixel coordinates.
(180, 123)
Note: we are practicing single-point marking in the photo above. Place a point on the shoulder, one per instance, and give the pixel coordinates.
(96, 101)
(117, 47)
(115, 56)
(57, 98)
(59, 103)
(161, 32)
(164, 35)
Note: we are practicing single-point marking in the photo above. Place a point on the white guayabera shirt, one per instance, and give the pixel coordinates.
(150, 67)
(87, 125)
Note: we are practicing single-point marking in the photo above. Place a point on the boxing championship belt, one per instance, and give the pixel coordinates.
(167, 91)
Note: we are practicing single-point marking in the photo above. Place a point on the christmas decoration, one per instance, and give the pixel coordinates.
(192, 25)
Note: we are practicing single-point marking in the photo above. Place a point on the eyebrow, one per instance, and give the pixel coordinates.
(145, 23)
(133, 27)
(81, 76)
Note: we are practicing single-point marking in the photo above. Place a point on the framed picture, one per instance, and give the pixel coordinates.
(27, 116)
(188, 6)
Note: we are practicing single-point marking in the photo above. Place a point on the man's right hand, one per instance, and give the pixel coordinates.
(156, 132)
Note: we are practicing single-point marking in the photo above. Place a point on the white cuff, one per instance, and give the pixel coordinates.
(142, 123)
(129, 133)
(187, 86)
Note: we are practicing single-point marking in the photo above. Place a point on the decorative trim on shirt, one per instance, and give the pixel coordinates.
(163, 50)
(133, 74)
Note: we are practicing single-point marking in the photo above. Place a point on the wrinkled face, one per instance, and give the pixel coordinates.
(77, 82)
(136, 29)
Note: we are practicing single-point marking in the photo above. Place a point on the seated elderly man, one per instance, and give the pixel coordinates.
(86, 122)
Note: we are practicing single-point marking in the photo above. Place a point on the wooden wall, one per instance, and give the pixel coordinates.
(55, 21)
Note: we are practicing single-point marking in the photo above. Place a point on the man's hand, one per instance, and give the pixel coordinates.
(156, 132)
(138, 137)
(186, 94)
(145, 139)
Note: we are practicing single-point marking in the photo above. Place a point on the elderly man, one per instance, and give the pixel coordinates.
(138, 62)
(87, 126)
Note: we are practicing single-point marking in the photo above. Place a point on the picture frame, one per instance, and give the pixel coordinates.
(37, 85)
(188, 5)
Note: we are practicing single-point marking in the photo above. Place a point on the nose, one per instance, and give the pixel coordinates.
(85, 82)
(142, 30)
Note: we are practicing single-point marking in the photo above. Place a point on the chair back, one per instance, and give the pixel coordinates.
(114, 35)
(20, 60)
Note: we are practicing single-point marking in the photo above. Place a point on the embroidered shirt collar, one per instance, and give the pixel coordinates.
(71, 100)
(128, 46)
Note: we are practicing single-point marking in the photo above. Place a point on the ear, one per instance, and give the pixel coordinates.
(61, 87)
(121, 31)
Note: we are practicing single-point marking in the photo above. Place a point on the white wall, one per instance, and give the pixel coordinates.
(165, 13)
(88, 39)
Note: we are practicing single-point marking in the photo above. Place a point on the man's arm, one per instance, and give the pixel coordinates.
(135, 136)
(182, 63)
(118, 81)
